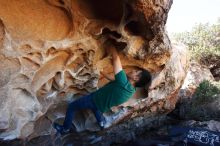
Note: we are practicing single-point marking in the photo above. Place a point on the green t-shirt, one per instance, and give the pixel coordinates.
(114, 93)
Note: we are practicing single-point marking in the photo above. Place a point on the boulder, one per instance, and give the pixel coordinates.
(52, 53)
(195, 75)
(36, 19)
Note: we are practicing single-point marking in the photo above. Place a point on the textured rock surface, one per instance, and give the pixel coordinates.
(195, 75)
(51, 50)
(35, 19)
(213, 63)
(190, 106)
(210, 125)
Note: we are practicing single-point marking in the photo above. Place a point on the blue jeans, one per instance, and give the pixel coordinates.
(84, 102)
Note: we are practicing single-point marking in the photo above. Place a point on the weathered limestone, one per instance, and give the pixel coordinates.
(195, 75)
(35, 19)
(213, 63)
(51, 50)
(192, 106)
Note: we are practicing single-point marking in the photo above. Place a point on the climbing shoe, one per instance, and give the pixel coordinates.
(60, 129)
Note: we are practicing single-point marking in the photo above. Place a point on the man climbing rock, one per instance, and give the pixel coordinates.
(112, 94)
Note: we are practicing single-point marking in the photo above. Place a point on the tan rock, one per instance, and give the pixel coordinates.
(34, 19)
(48, 70)
(9, 68)
(51, 50)
(195, 75)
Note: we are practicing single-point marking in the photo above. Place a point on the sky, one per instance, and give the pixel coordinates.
(184, 14)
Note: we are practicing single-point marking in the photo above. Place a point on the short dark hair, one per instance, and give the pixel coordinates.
(145, 78)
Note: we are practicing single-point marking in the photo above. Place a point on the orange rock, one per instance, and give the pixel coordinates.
(35, 19)
(52, 51)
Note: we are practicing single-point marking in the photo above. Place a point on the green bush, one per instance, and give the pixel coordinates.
(201, 106)
(206, 92)
(202, 40)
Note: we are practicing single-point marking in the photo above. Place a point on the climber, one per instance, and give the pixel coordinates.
(112, 94)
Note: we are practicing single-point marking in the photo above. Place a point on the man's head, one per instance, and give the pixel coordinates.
(140, 77)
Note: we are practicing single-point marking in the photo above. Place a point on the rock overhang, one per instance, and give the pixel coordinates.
(58, 46)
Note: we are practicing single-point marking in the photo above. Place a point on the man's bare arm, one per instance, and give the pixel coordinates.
(117, 67)
(106, 76)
